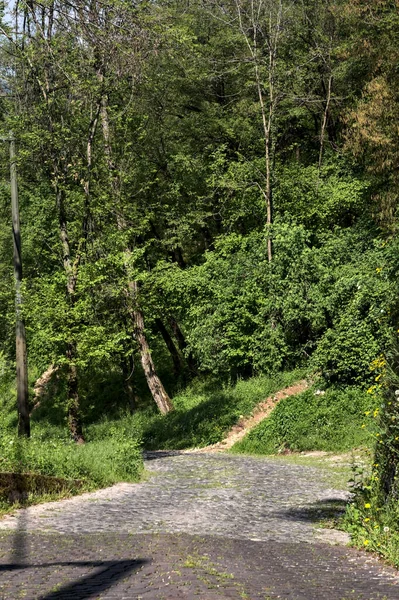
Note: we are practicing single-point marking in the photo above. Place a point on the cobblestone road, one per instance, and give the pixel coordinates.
(201, 526)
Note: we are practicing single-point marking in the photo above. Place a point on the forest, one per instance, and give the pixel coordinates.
(208, 196)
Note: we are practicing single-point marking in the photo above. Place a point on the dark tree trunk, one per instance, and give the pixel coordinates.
(178, 366)
(20, 335)
(73, 408)
(128, 382)
(154, 383)
(177, 257)
(181, 342)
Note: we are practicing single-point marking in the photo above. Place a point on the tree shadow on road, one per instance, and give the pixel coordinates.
(320, 511)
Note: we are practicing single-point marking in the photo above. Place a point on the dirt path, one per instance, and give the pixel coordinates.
(203, 526)
(261, 411)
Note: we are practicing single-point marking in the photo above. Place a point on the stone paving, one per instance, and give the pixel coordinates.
(200, 526)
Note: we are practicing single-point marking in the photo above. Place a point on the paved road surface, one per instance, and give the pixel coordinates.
(202, 526)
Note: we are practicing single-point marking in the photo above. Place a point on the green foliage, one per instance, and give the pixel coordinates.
(112, 455)
(330, 301)
(317, 198)
(373, 527)
(311, 421)
(8, 417)
(373, 516)
(170, 191)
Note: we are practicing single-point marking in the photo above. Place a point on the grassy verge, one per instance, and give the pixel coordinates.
(98, 463)
(374, 528)
(23, 489)
(336, 468)
(309, 421)
(95, 464)
(203, 413)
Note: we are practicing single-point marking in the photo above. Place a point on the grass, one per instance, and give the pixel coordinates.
(336, 469)
(23, 489)
(204, 413)
(327, 422)
(50, 453)
(95, 464)
(98, 463)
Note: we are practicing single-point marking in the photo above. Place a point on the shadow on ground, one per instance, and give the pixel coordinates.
(157, 454)
(107, 574)
(327, 509)
(103, 576)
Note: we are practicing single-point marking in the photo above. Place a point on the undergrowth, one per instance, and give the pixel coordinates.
(50, 452)
(373, 526)
(99, 463)
(372, 518)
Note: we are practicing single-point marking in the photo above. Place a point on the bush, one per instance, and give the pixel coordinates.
(373, 516)
(325, 297)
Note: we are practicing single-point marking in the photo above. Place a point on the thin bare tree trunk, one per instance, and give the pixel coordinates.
(323, 126)
(267, 112)
(154, 383)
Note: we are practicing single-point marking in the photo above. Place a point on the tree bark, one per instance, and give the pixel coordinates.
(154, 383)
(20, 335)
(323, 130)
(267, 107)
(73, 407)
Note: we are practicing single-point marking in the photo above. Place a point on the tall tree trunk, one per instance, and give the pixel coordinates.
(20, 336)
(267, 105)
(73, 410)
(73, 407)
(324, 123)
(154, 383)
